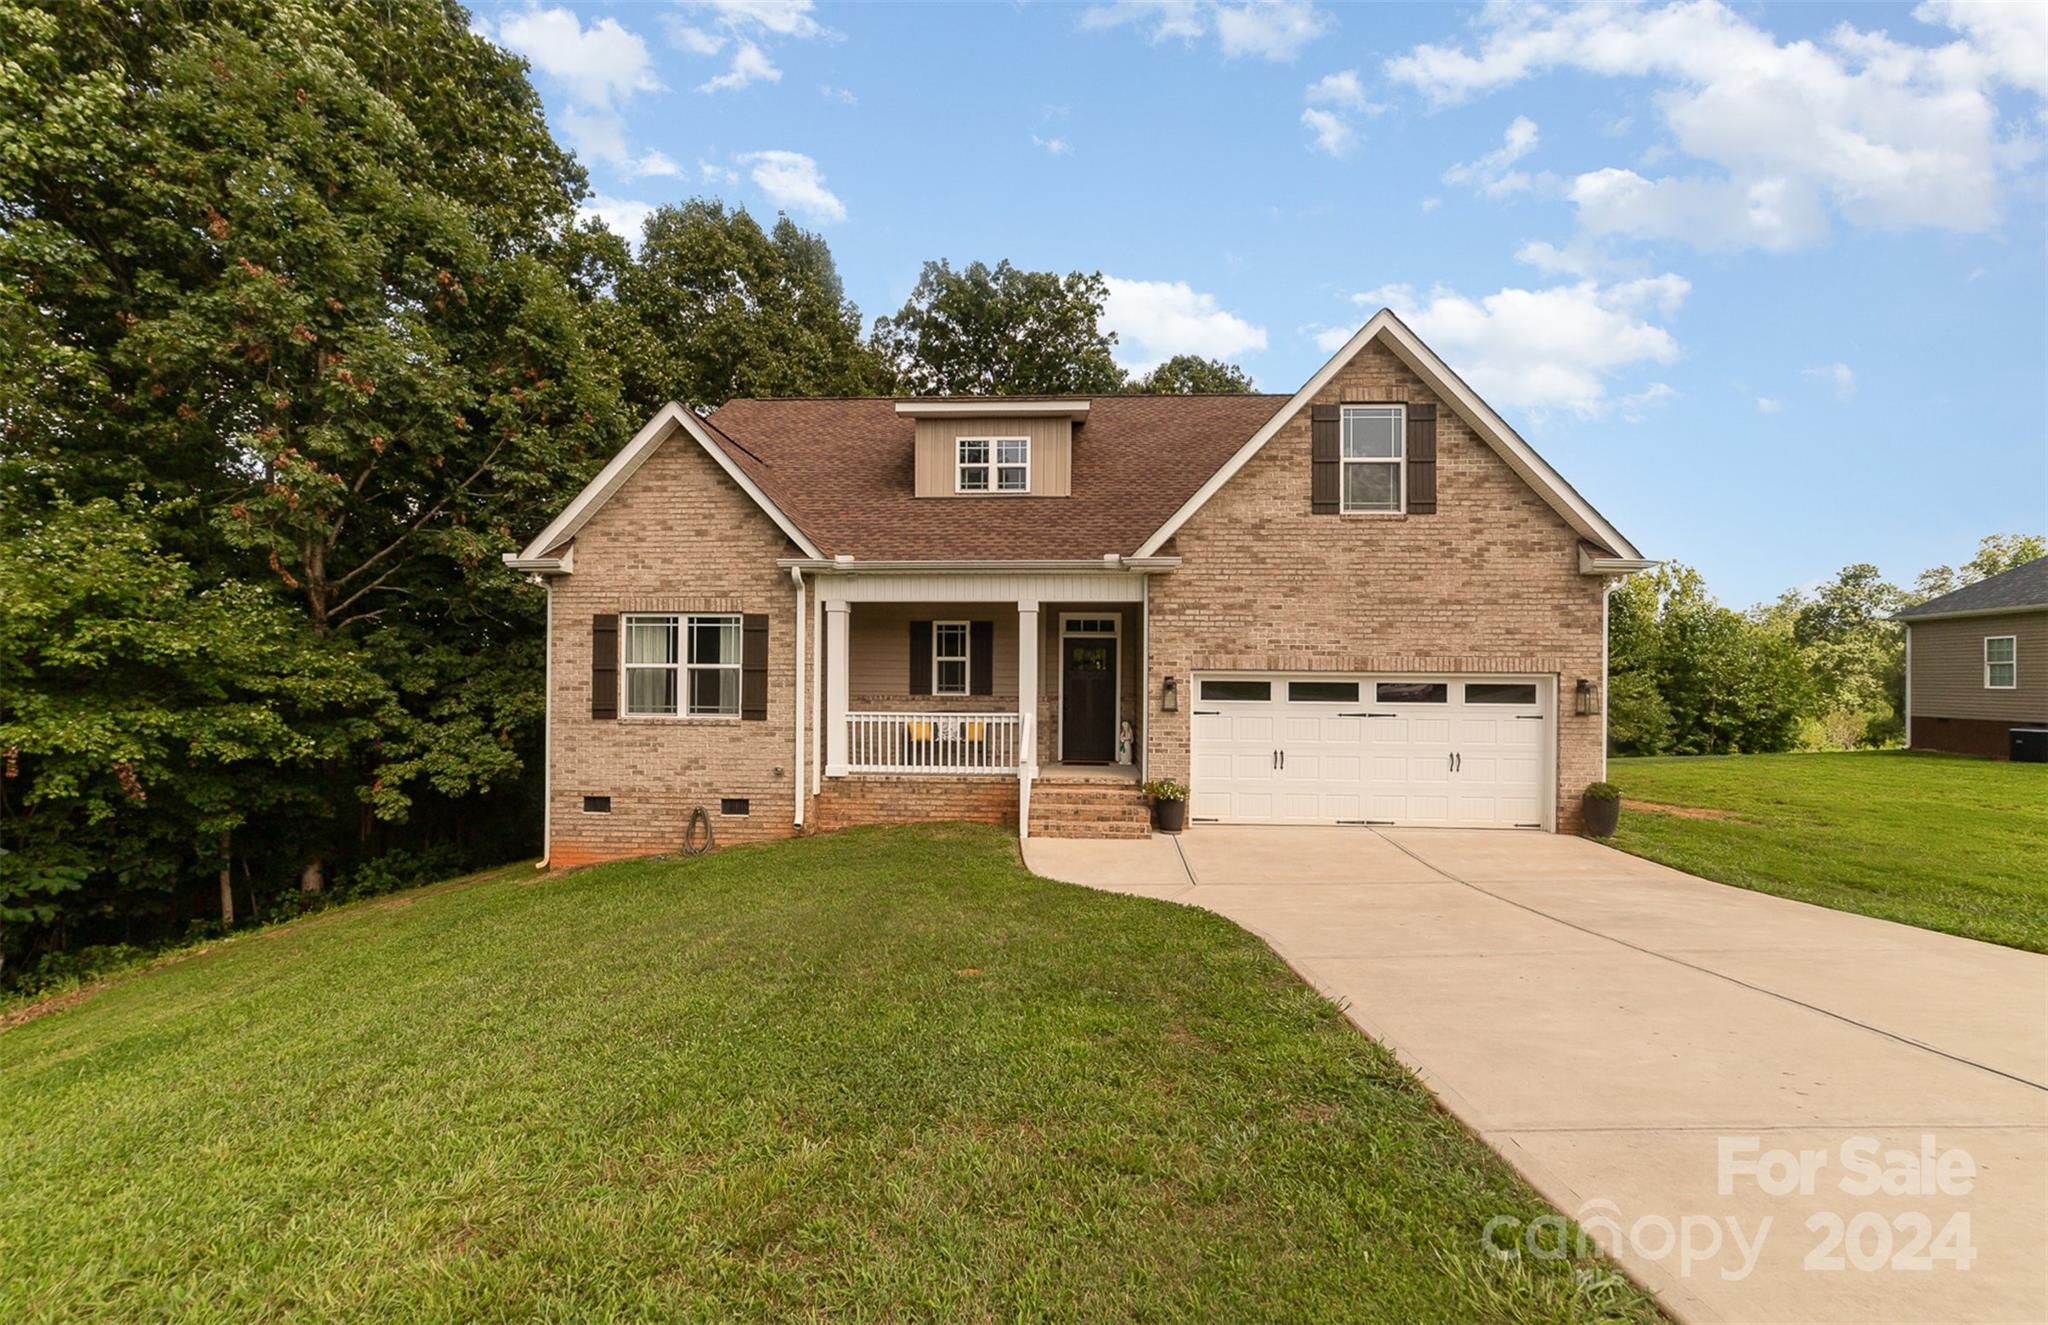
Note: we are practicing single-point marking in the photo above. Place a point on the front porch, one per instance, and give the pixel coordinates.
(917, 688)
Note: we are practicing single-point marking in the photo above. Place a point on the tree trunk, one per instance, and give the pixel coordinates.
(227, 881)
(311, 880)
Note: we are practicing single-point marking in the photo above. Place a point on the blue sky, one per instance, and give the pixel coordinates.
(1768, 283)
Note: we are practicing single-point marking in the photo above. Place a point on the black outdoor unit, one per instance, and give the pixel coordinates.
(2029, 745)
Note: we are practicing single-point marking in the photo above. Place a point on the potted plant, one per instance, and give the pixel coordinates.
(1169, 804)
(1602, 807)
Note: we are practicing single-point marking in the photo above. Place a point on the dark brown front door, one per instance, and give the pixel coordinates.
(1088, 700)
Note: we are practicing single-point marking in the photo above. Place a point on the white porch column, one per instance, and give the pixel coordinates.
(835, 688)
(1027, 710)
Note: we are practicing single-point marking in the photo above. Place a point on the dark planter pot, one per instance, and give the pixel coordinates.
(1169, 816)
(1602, 817)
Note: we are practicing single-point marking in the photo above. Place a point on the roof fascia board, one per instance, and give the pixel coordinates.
(2018, 610)
(1520, 456)
(992, 407)
(629, 459)
(834, 566)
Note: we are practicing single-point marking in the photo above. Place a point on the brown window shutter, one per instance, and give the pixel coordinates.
(1421, 442)
(920, 657)
(981, 657)
(1325, 449)
(604, 666)
(754, 667)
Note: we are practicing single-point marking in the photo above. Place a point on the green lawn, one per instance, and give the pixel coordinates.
(881, 1075)
(1959, 845)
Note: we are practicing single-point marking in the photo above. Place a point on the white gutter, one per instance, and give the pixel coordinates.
(562, 565)
(1592, 565)
(796, 769)
(1917, 617)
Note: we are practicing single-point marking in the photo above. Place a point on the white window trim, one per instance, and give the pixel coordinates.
(2012, 662)
(682, 667)
(965, 658)
(1398, 462)
(993, 465)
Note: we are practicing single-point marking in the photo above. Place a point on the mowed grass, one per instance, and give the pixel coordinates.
(882, 1075)
(1958, 845)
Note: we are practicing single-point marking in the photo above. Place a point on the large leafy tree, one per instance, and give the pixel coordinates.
(722, 309)
(1192, 375)
(296, 281)
(1996, 554)
(1000, 331)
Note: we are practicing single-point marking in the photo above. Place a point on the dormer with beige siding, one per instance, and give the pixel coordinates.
(967, 449)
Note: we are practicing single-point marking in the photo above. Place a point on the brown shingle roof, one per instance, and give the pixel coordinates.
(841, 470)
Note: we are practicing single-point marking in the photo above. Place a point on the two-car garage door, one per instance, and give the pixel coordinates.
(1451, 751)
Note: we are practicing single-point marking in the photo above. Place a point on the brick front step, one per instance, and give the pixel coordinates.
(1096, 809)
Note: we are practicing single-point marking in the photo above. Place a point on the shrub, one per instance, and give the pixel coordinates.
(1166, 789)
(1603, 791)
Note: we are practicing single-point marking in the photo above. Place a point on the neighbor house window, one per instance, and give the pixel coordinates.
(1372, 457)
(2001, 662)
(1000, 464)
(949, 657)
(682, 664)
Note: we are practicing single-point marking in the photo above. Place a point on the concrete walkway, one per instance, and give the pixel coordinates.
(1664, 1058)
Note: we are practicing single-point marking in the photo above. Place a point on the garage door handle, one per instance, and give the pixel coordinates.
(1208, 713)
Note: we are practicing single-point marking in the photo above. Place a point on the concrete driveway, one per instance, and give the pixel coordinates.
(1767, 1111)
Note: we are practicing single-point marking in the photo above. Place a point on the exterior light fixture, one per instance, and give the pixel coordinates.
(1588, 704)
(1169, 696)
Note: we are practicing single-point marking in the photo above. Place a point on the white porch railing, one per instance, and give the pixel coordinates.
(933, 742)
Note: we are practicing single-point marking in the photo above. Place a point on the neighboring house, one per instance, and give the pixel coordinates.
(1367, 602)
(1977, 663)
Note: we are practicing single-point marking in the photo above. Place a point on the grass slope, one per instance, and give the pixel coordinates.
(881, 1075)
(1944, 843)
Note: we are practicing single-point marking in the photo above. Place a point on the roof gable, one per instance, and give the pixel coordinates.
(1490, 427)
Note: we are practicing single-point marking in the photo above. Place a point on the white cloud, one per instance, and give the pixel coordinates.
(1766, 405)
(596, 64)
(1552, 349)
(1272, 29)
(1839, 376)
(1490, 173)
(710, 172)
(1431, 204)
(652, 162)
(695, 40)
(783, 18)
(792, 182)
(599, 66)
(596, 135)
(1341, 89)
(1155, 320)
(1052, 146)
(1634, 407)
(622, 216)
(1328, 339)
(843, 95)
(750, 64)
(1880, 132)
(1333, 133)
(1276, 30)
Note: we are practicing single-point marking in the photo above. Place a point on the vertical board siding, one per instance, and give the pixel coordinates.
(1052, 452)
(878, 640)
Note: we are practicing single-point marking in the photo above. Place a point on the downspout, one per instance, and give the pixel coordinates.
(817, 694)
(547, 724)
(1606, 680)
(796, 577)
(1144, 675)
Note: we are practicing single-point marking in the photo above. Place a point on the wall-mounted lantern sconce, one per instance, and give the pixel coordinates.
(1588, 702)
(1169, 696)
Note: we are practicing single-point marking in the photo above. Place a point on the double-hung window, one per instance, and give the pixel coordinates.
(949, 657)
(992, 464)
(682, 664)
(2001, 662)
(1373, 452)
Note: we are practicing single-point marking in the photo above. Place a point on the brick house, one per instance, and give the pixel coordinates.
(1366, 602)
(1977, 664)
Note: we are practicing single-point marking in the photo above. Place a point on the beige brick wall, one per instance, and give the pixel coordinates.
(1488, 584)
(680, 536)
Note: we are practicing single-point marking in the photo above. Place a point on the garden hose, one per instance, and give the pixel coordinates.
(698, 819)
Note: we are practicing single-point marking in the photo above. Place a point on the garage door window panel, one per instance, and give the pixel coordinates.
(1500, 692)
(1413, 692)
(1322, 692)
(1238, 691)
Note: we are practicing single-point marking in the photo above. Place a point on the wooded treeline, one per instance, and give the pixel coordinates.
(1819, 670)
(301, 333)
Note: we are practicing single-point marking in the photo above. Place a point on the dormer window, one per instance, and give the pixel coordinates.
(992, 464)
